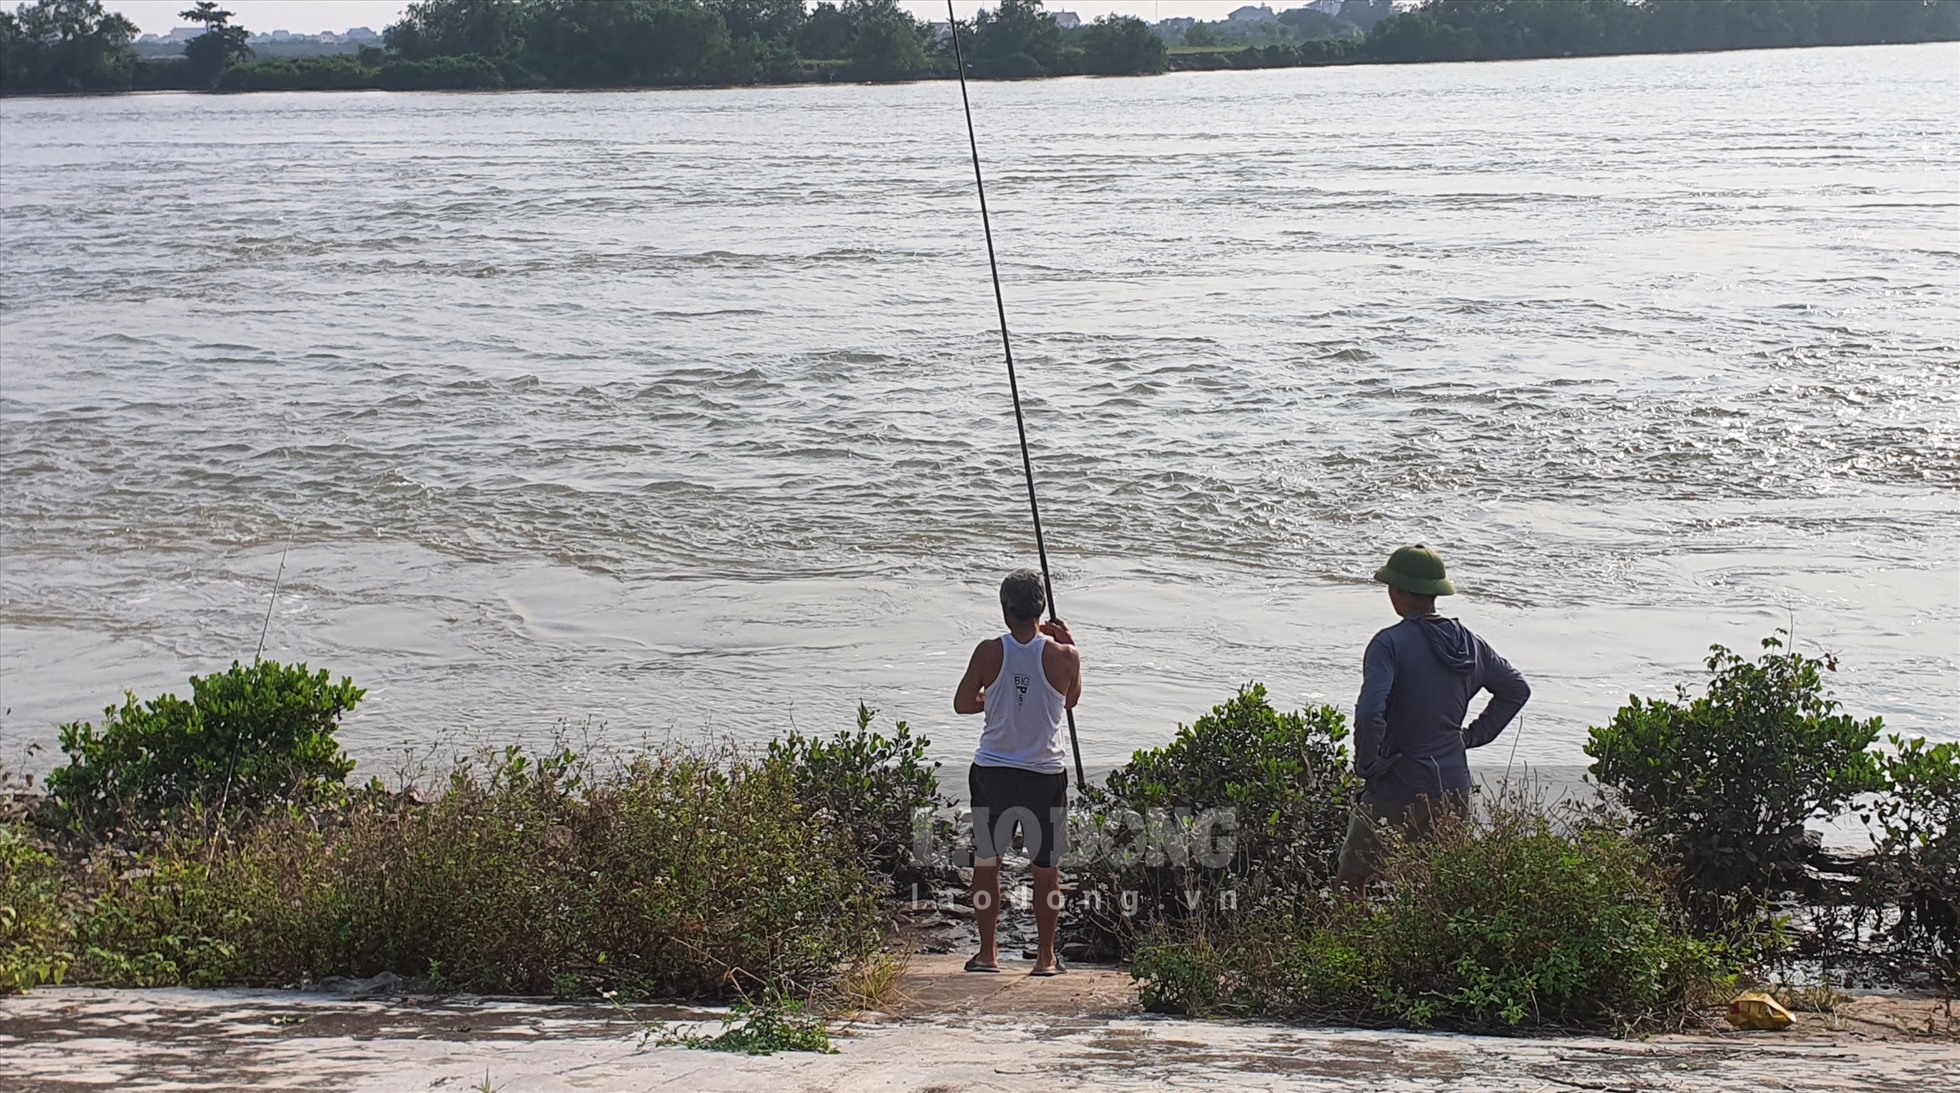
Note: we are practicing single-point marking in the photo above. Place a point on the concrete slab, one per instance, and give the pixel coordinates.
(952, 1033)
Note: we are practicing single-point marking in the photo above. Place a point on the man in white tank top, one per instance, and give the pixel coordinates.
(1024, 681)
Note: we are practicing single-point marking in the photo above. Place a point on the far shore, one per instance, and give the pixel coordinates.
(1188, 61)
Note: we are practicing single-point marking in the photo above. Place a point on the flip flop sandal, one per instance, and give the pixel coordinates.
(1049, 973)
(973, 965)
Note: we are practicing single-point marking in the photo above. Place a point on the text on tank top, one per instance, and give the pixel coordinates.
(1024, 712)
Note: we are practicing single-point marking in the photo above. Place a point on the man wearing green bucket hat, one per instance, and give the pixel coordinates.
(1417, 680)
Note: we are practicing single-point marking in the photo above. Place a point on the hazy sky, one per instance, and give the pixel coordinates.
(313, 16)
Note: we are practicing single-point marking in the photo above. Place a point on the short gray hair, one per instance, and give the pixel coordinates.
(1022, 595)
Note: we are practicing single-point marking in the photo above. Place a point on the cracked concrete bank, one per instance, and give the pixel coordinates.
(953, 1033)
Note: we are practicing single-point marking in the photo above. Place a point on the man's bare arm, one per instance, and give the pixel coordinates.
(1062, 654)
(1074, 692)
(971, 695)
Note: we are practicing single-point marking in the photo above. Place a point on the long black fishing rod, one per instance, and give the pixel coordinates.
(1007, 351)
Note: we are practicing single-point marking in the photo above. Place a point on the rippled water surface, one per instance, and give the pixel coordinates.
(682, 412)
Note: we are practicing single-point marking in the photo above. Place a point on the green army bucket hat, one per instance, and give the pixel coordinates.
(1416, 569)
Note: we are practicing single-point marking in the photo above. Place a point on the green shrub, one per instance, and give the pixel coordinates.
(164, 74)
(1183, 971)
(870, 786)
(337, 73)
(467, 72)
(247, 738)
(1918, 860)
(166, 918)
(1723, 783)
(1271, 788)
(681, 874)
(714, 883)
(1247, 755)
(1507, 919)
(761, 1028)
(34, 923)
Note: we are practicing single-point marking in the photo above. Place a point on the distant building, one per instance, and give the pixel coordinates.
(1327, 7)
(1250, 14)
(182, 34)
(1067, 20)
(361, 34)
(941, 30)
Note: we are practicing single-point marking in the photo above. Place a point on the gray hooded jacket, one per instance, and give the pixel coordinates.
(1416, 684)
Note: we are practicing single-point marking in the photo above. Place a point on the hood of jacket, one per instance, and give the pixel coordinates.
(1450, 641)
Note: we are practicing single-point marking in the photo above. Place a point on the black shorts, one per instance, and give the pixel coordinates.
(1008, 797)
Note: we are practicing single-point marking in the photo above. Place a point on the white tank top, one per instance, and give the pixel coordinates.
(1024, 713)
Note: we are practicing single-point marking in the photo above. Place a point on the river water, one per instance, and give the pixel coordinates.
(681, 413)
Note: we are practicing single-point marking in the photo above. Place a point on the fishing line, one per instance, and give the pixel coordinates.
(274, 598)
(1007, 351)
(1516, 735)
(231, 766)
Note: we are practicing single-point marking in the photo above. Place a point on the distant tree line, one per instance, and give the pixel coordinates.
(1491, 30)
(76, 46)
(73, 45)
(1352, 20)
(653, 43)
(1496, 30)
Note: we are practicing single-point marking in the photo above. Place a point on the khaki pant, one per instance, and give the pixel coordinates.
(1361, 851)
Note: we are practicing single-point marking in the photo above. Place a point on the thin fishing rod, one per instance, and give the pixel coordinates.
(231, 765)
(1007, 351)
(274, 598)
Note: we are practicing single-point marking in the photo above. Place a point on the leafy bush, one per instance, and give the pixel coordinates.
(337, 73)
(1283, 778)
(867, 784)
(247, 738)
(165, 918)
(1918, 860)
(468, 72)
(680, 874)
(163, 74)
(34, 924)
(1507, 919)
(1723, 784)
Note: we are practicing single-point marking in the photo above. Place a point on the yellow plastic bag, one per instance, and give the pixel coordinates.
(1758, 1011)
